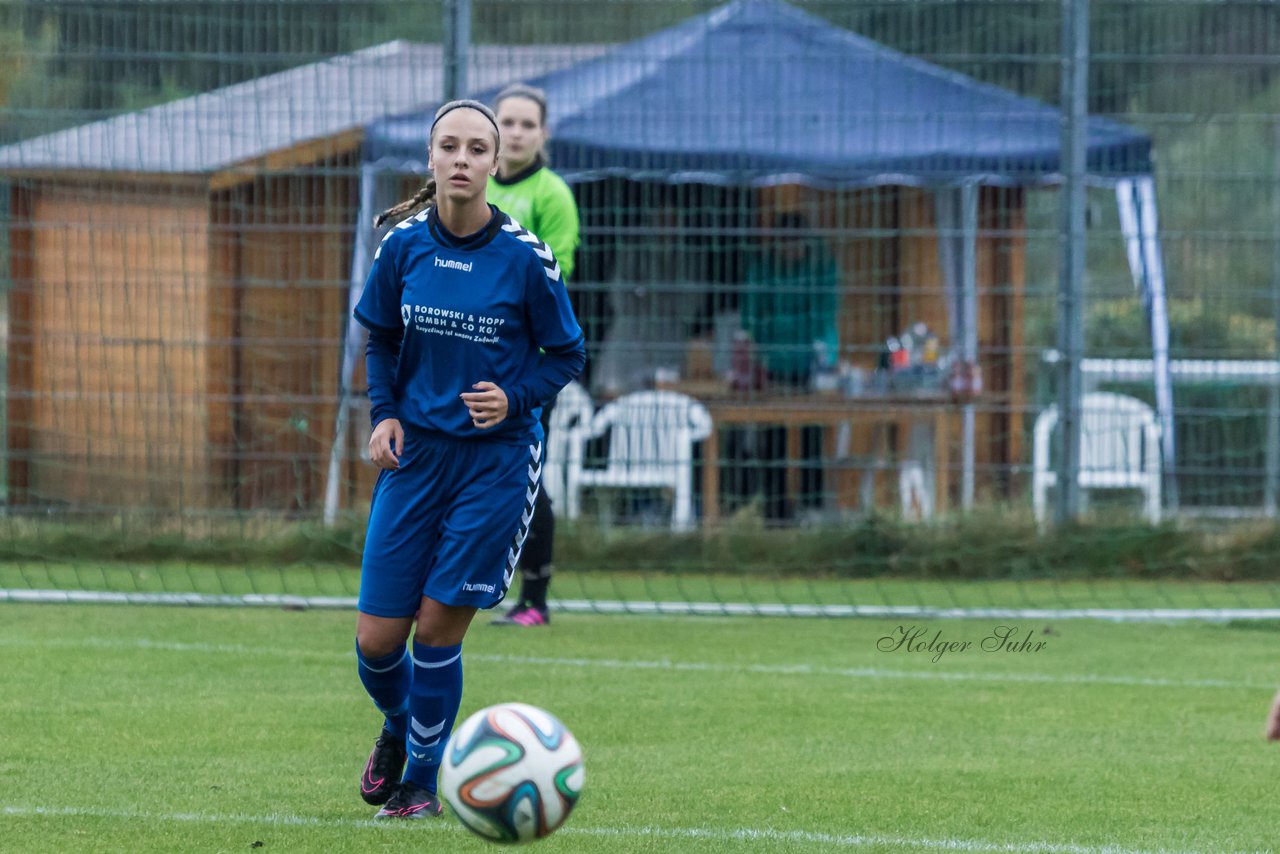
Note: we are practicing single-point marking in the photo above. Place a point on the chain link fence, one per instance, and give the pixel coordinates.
(828, 234)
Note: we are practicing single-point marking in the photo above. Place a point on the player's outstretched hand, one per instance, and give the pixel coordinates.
(387, 444)
(487, 405)
(1273, 720)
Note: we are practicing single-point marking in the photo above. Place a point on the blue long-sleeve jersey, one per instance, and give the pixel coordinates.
(445, 312)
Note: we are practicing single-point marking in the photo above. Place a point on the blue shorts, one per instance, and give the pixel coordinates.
(448, 524)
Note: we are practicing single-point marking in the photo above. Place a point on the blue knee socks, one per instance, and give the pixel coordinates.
(435, 693)
(387, 681)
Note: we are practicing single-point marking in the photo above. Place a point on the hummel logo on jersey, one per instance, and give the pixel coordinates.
(450, 264)
(487, 588)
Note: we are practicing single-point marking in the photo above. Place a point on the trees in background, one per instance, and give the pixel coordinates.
(106, 55)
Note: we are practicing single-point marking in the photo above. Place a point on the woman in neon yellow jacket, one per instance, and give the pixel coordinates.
(540, 200)
(525, 188)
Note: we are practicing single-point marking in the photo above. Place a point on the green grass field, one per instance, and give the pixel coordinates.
(210, 729)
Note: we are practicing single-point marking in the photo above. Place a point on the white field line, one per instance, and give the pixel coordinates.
(143, 644)
(689, 609)
(710, 834)
(874, 672)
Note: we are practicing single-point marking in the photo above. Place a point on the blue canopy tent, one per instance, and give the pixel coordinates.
(758, 93)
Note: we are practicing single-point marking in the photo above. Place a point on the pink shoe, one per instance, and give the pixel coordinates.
(524, 615)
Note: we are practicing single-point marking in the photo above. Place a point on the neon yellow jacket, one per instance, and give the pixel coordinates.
(541, 201)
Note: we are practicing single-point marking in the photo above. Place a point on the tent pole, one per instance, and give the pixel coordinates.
(1159, 320)
(360, 260)
(1075, 82)
(1136, 206)
(969, 308)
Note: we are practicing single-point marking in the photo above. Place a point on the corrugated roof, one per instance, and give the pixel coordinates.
(228, 126)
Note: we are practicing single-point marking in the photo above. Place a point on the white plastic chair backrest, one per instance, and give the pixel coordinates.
(652, 432)
(566, 436)
(1118, 433)
(572, 414)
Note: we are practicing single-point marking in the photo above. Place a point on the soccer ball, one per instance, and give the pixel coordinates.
(511, 773)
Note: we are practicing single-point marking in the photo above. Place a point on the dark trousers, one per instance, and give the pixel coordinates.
(535, 558)
(759, 467)
(778, 505)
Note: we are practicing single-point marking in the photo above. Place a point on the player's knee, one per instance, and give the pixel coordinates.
(442, 625)
(429, 635)
(376, 642)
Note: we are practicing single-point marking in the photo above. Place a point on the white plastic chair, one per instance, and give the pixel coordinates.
(651, 437)
(1119, 449)
(566, 438)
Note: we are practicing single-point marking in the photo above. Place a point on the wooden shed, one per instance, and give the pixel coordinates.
(179, 281)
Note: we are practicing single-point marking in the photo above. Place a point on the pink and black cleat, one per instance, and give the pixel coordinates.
(411, 801)
(382, 772)
(524, 615)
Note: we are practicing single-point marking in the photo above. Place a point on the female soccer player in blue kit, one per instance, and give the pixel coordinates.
(459, 303)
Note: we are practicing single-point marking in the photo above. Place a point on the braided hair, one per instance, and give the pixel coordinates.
(425, 196)
(427, 193)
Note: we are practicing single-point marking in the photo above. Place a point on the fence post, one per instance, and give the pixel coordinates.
(6, 288)
(1075, 91)
(457, 47)
(1272, 454)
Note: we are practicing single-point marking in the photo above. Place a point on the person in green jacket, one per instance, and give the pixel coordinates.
(791, 297)
(539, 199)
(790, 303)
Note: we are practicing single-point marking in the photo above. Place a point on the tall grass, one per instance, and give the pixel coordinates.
(1000, 543)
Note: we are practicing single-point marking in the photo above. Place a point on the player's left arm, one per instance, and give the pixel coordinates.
(558, 224)
(555, 329)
